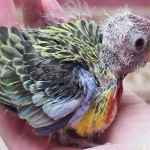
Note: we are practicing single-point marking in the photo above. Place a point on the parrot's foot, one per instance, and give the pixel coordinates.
(67, 140)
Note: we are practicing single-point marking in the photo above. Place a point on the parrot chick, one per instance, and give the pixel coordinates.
(68, 78)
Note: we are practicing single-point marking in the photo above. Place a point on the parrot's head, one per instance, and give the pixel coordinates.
(126, 38)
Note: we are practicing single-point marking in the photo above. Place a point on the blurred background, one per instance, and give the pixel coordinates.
(139, 82)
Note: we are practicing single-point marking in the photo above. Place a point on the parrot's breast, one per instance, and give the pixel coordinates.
(100, 114)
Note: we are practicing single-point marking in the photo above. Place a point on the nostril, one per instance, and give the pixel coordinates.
(139, 43)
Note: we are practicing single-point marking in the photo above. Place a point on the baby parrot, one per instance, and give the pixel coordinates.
(68, 78)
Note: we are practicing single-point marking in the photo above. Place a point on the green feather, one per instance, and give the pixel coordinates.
(38, 64)
(17, 62)
(76, 41)
(8, 77)
(9, 53)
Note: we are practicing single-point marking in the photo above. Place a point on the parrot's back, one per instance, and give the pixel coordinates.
(47, 76)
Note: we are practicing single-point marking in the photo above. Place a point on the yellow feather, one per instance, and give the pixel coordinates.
(94, 119)
(84, 127)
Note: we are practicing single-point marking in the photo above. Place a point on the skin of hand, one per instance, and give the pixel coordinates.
(130, 129)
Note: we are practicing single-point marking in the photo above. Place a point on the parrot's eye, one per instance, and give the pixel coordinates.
(139, 44)
(138, 41)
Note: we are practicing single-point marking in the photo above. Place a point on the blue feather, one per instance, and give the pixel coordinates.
(89, 92)
(54, 127)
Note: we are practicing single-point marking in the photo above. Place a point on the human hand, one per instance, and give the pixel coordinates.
(130, 130)
(131, 127)
(16, 133)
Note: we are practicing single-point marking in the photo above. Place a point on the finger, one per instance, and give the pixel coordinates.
(53, 11)
(17, 3)
(34, 11)
(8, 13)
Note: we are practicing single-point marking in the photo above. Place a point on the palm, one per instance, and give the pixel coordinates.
(132, 122)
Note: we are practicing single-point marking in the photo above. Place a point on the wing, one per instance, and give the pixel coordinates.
(76, 41)
(45, 91)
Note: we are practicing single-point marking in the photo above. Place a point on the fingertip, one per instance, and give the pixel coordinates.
(17, 3)
(37, 13)
(53, 11)
(32, 13)
(8, 14)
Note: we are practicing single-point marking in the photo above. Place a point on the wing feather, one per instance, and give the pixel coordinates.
(44, 72)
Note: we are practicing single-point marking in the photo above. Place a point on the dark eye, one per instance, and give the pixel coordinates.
(139, 43)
